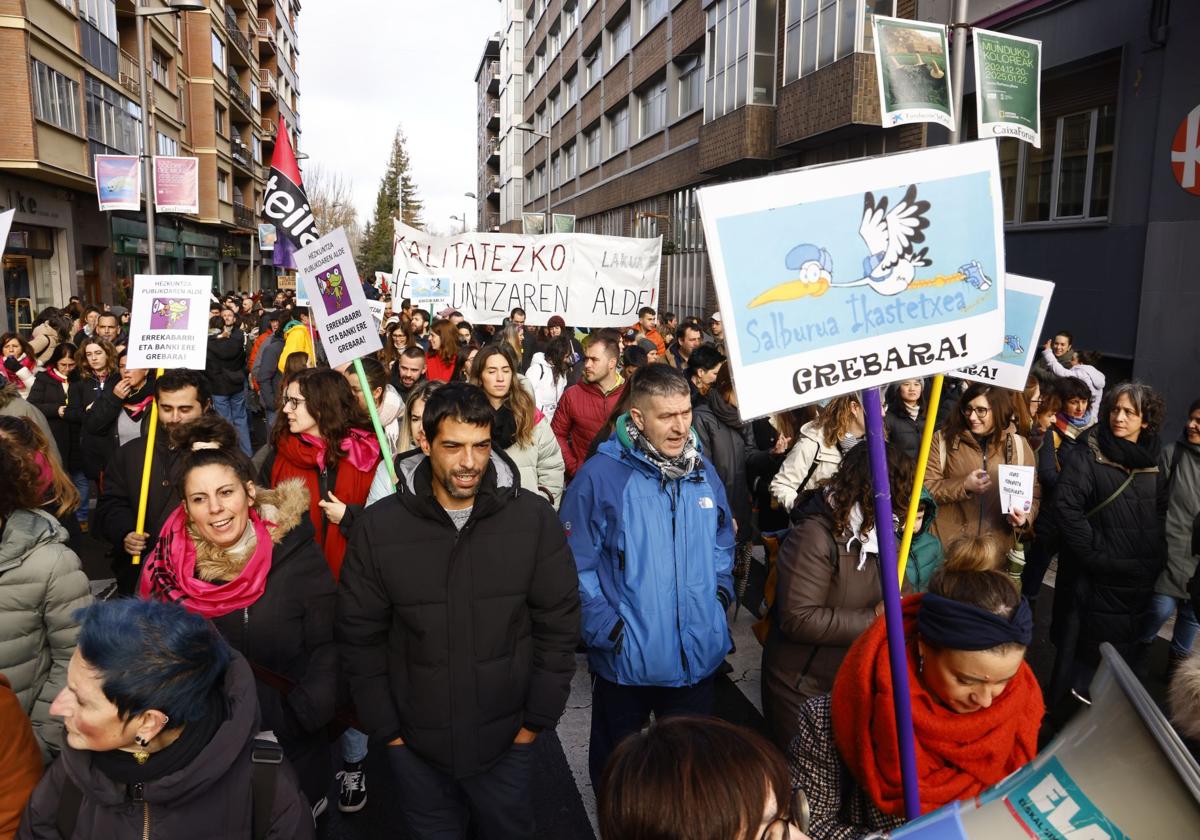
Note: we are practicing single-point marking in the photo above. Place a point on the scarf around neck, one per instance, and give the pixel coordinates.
(958, 755)
(724, 410)
(672, 469)
(1133, 456)
(170, 573)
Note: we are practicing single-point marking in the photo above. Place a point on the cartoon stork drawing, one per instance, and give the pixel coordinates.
(172, 310)
(890, 236)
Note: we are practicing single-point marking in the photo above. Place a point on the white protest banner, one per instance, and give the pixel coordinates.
(168, 321)
(339, 305)
(1026, 302)
(913, 70)
(1016, 488)
(591, 281)
(383, 282)
(839, 278)
(6, 220)
(1008, 78)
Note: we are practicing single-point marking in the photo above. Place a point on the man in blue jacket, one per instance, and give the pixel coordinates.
(652, 535)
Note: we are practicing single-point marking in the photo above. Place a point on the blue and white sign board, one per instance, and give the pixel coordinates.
(430, 293)
(837, 278)
(1026, 302)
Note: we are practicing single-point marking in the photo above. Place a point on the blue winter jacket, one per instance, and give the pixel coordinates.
(655, 566)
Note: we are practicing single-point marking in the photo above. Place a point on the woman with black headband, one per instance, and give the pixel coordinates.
(976, 708)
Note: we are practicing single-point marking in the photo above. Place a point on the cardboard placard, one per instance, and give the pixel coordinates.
(429, 293)
(168, 321)
(1026, 302)
(1016, 488)
(377, 309)
(838, 278)
(339, 307)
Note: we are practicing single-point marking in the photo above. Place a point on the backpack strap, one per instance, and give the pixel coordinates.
(1176, 457)
(1116, 493)
(70, 799)
(265, 757)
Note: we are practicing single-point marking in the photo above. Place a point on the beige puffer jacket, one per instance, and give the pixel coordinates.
(541, 463)
(41, 587)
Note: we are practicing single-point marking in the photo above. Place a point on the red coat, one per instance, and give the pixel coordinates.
(581, 411)
(436, 369)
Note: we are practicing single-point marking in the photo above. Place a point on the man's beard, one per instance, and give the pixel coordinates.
(457, 492)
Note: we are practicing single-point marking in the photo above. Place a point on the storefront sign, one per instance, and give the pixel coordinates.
(1008, 79)
(177, 184)
(1185, 152)
(1026, 302)
(839, 278)
(913, 72)
(592, 281)
(168, 321)
(119, 182)
(339, 308)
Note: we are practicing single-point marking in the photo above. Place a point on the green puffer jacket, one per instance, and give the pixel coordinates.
(925, 556)
(41, 587)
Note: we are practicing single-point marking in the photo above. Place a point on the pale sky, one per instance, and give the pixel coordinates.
(367, 66)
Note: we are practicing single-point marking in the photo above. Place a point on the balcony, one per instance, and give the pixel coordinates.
(492, 70)
(493, 117)
(266, 36)
(239, 97)
(270, 128)
(491, 186)
(127, 73)
(237, 37)
(241, 158)
(243, 216)
(493, 152)
(268, 85)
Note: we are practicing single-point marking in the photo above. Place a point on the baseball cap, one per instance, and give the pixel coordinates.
(716, 316)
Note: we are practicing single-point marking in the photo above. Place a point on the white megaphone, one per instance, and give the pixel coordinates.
(1116, 771)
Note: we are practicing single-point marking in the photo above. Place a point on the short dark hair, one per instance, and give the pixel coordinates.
(704, 357)
(1147, 402)
(112, 315)
(424, 315)
(689, 326)
(221, 449)
(405, 303)
(413, 351)
(1070, 338)
(153, 655)
(646, 310)
(514, 312)
(610, 345)
(1069, 387)
(668, 317)
(297, 311)
(658, 381)
(460, 401)
(176, 379)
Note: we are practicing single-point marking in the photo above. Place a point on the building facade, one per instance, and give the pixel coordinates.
(487, 189)
(216, 81)
(512, 104)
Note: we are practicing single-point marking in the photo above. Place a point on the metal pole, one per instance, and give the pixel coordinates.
(546, 229)
(147, 140)
(958, 25)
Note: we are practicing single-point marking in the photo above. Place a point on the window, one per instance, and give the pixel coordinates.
(591, 147)
(618, 41)
(256, 144)
(652, 12)
(219, 119)
(737, 30)
(618, 130)
(167, 146)
(101, 14)
(113, 122)
(98, 34)
(555, 110)
(55, 98)
(570, 161)
(222, 185)
(539, 121)
(652, 108)
(160, 67)
(591, 68)
(571, 91)
(691, 85)
(69, 5)
(570, 18)
(553, 43)
(218, 52)
(555, 171)
(820, 32)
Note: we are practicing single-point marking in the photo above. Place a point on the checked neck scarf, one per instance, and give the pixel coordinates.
(672, 469)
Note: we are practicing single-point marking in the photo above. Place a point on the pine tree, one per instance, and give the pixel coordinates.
(397, 197)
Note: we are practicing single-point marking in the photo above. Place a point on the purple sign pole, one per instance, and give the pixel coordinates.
(897, 655)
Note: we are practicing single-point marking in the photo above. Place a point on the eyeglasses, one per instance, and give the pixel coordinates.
(293, 402)
(793, 826)
(978, 411)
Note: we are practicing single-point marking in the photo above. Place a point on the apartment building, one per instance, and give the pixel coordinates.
(216, 82)
(487, 190)
(646, 100)
(512, 105)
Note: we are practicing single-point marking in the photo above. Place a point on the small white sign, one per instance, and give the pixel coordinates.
(1016, 488)
(168, 321)
(339, 307)
(377, 309)
(430, 293)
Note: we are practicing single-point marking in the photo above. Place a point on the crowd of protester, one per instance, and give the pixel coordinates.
(551, 489)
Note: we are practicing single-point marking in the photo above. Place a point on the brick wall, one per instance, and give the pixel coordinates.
(17, 141)
(838, 95)
(747, 133)
(650, 54)
(616, 82)
(687, 25)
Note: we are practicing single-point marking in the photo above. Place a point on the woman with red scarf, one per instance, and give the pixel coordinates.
(976, 709)
(19, 362)
(324, 437)
(244, 558)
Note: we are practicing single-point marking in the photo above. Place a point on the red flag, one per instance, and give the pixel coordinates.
(285, 205)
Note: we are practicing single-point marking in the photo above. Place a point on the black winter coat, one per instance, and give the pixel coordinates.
(728, 447)
(226, 363)
(903, 431)
(1108, 562)
(47, 396)
(269, 376)
(97, 437)
(211, 797)
(455, 640)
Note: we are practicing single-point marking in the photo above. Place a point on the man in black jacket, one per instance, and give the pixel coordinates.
(458, 616)
(182, 396)
(226, 369)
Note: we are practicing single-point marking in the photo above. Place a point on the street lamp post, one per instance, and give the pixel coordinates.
(478, 222)
(173, 7)
(545, 136)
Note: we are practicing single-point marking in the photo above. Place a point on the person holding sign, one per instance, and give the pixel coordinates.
(963, 472)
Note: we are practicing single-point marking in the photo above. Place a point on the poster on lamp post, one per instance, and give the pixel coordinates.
(177, 184)
(563, 223)
(533, 224)
(168, 321)
(119, 182)
(340, 309)
(1008, 86)
(839, 278)
(913, 70)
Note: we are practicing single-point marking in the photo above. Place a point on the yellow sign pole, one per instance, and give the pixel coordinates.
(145, 491)
(914, 502)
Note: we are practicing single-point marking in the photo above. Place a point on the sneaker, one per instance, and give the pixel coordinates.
(353, 796)
(319, 808)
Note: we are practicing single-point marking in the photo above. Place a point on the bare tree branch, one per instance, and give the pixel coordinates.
(331, 200)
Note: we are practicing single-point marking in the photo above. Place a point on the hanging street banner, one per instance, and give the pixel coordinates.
(913, 69)
(889, 268)
(562, 223)
(1008, 74)
(177, 184)
(119, 182)
(591, 281)
(267, 237)
(285, 204)
(1026, 302)
(168, 321)
(533, 224)
(340, 309)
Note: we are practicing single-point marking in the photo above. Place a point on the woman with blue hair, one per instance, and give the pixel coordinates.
(161, 718)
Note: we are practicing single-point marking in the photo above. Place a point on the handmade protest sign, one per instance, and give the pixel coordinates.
(377, 308)
(591, 281)
(1008, 83)
(6, 220)
(913, 72)
(1026, 302)
(119, 182)
(1016, 488)
(177, 184)
(339, 306)
(168, 321)
(429, 293)
(840, 278)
